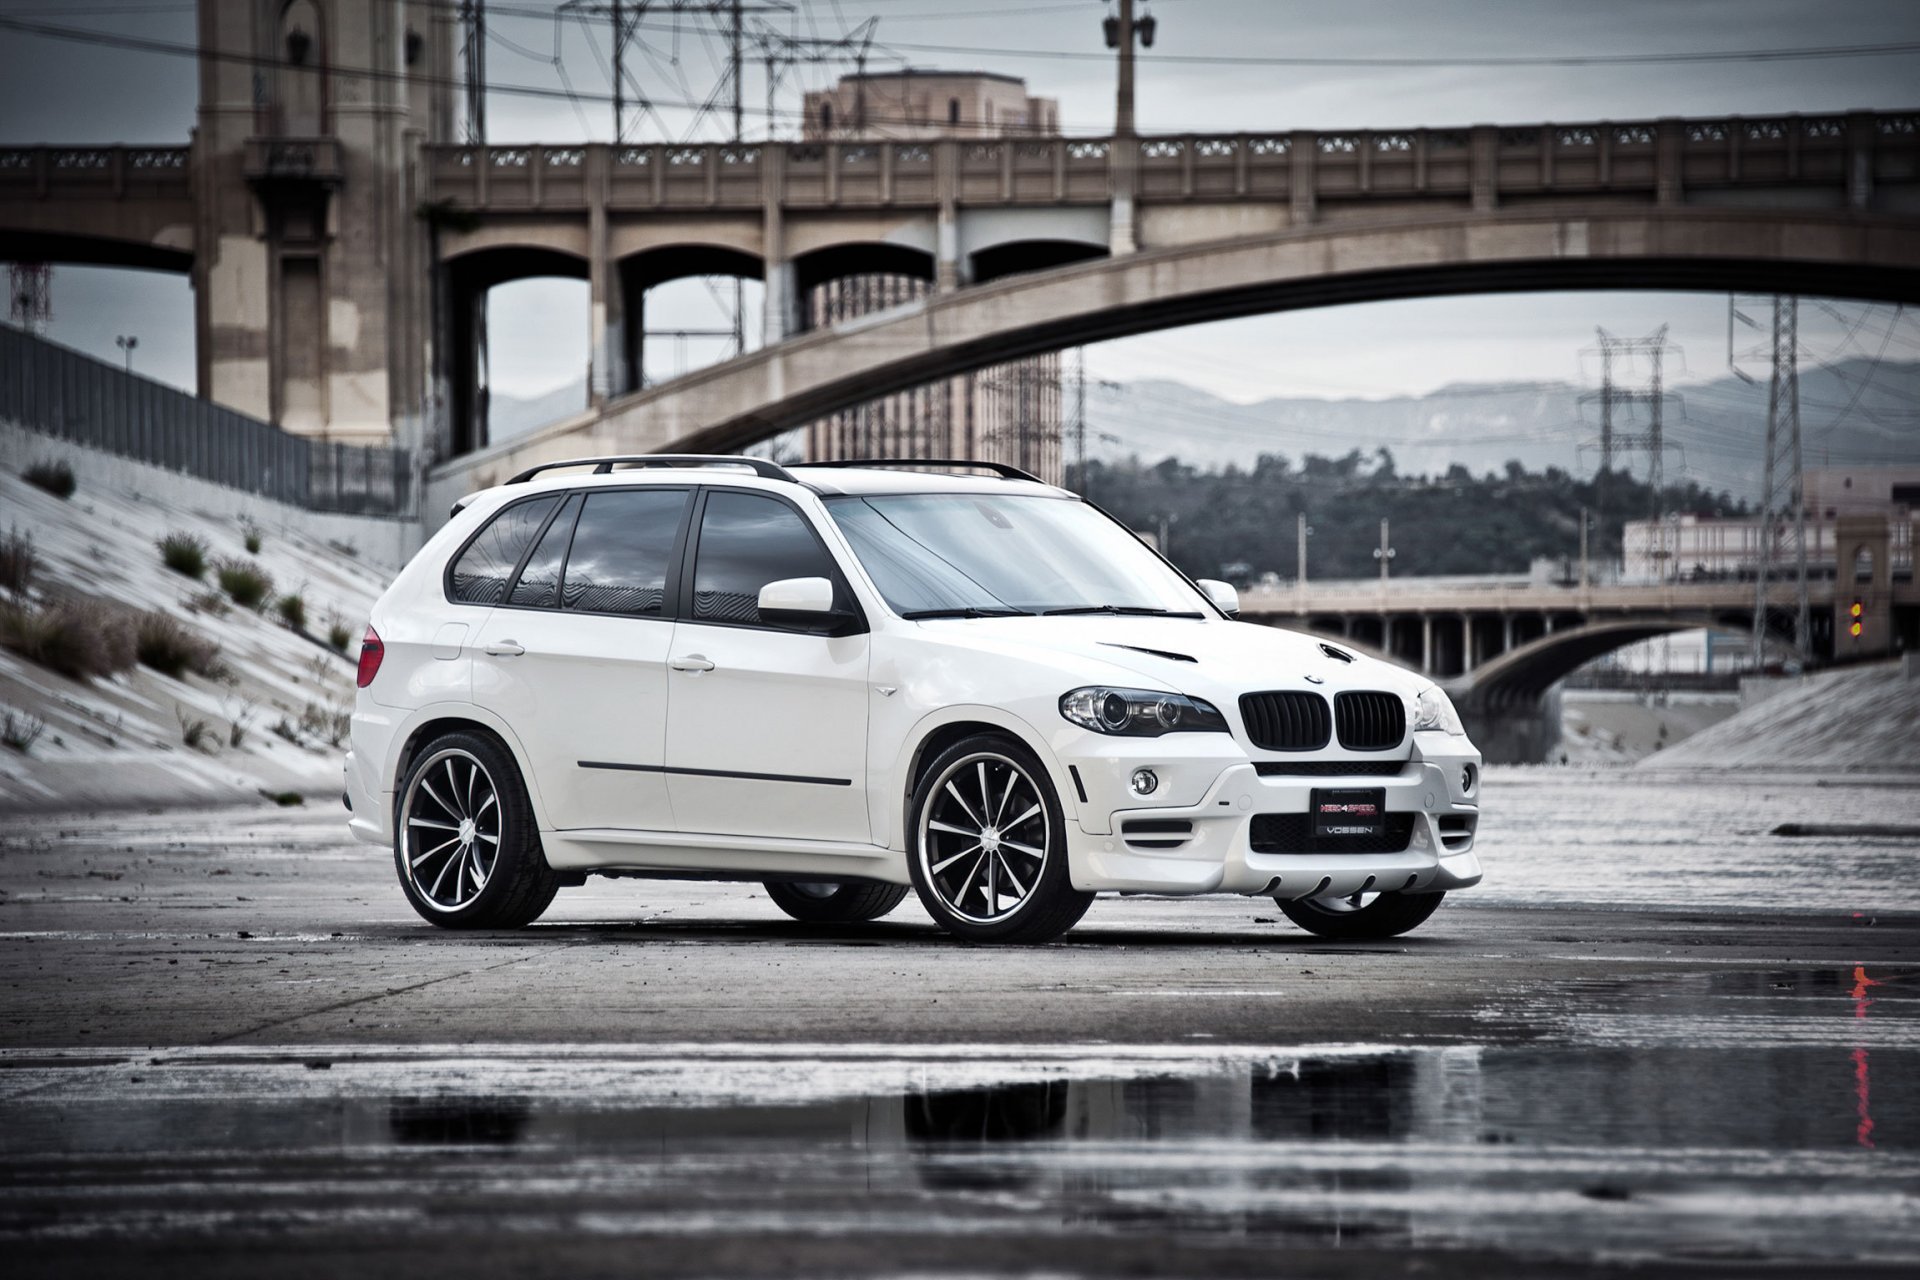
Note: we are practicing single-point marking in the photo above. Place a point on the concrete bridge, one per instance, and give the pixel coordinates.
(1030, 243)
(1498, 645)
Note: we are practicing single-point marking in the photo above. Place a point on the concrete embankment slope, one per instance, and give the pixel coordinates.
(269, 717)
(1858, 719)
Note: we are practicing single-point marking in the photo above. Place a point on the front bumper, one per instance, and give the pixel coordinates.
(1439, 787)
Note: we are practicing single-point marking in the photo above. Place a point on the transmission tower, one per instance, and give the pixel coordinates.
(30, 295)
(1781, 487)
(1622, 399)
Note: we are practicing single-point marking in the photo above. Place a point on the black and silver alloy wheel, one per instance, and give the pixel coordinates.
(988, 852)
(450, 830)
(466, 845)
(984, 837)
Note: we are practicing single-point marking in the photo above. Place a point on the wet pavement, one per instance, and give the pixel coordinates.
(226, 1047)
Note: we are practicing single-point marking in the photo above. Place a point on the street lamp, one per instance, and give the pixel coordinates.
(127, 342)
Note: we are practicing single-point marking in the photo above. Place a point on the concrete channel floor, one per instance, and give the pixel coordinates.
(228, 1045)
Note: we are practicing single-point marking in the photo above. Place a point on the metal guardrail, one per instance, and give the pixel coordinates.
(48, 388)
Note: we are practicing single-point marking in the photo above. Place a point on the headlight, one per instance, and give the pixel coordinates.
(1140, 713)
(1434, 710)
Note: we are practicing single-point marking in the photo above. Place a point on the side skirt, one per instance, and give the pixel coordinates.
(680, 853)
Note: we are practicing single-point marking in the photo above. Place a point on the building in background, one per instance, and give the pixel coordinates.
(1005, 413)
(1697, 548)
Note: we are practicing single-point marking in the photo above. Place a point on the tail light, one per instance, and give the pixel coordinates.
(371, 651)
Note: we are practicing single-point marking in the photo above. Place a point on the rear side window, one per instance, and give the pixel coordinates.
(622, 547)
(538, 586)
(481, 573)
(747, 541)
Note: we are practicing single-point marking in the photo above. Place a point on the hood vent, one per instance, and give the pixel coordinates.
(1158, 653)
(1338, 655)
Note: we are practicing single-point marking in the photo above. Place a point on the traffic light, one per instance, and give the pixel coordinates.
(1855, 611)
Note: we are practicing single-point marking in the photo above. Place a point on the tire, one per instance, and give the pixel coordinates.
(836, 903)
(1388, 915)
(444, 790)
(979, 769)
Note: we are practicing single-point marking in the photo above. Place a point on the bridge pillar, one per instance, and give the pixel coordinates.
(1426, 642)
(312, 308)
(1301, 205)
(1483, 158)
(606, 338)
(1860, 132)
(1669, 143)
(1506, 632)
(946, 240)
(782, 299)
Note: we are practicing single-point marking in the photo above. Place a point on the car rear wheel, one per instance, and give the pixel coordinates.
(465, 842)
(1362, 915)
(825, 903)
(987, 845)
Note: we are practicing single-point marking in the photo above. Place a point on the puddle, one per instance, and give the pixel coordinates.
(1645, 1151)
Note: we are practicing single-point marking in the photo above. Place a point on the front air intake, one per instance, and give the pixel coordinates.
(1286, 721)
(1370, 721)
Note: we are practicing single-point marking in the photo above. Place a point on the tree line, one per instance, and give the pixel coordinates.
(1241, 523)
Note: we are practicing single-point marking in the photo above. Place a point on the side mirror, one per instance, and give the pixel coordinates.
(797, 602)
(1224, 597)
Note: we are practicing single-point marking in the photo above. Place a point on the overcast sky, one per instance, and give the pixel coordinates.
(61, 91)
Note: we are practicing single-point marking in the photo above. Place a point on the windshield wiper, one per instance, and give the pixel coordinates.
(1132, 610)
(967, 611)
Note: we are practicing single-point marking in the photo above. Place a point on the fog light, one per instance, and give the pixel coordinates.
(1466, 780)
(1144, 782)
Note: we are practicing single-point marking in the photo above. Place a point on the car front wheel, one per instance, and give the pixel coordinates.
(987, 845)
(1362, 915)
(465, 844)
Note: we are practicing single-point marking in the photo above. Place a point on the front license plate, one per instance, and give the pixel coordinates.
(1349, 811)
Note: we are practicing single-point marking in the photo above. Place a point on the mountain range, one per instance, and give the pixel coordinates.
(1854, 413)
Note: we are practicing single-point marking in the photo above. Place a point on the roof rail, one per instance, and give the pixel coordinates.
(1006, 470)
(605, 465)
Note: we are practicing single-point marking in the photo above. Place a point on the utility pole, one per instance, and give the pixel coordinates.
(1123, 157)
(1583, 549)
(473, 16)
(1301, 532)
(127, 342)
(1783, 480)
(619, 74)
(1384, 553)
(1080, 420)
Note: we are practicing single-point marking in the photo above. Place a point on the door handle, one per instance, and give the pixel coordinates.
(690, 662)
(505, 648)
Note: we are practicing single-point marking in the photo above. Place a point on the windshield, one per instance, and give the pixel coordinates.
(972, 555)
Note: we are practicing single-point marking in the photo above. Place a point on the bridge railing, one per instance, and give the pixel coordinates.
(117, 173)
(1658, 158)
(50, 389)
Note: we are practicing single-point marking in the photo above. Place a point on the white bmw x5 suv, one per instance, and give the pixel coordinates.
(845, 680)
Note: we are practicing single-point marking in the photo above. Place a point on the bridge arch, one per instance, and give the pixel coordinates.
(1516, 679)
(166, 251)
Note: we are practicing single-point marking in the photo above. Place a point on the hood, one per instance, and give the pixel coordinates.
(1227, 658)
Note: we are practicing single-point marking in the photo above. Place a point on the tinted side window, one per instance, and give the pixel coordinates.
(539, 583)
(621, 550)
(747, 541)
(480, 574)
